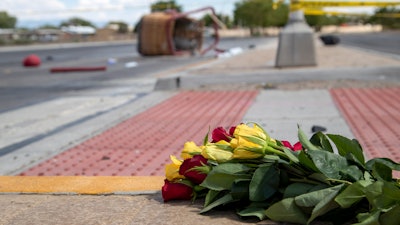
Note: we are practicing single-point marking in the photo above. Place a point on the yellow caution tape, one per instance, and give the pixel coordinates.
(334, 3)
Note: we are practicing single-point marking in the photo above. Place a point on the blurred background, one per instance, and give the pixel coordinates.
(54, 21)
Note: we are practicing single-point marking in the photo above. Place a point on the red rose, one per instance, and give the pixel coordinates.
(186, 169)
(296, 147)
(176, 191)
(220, 133)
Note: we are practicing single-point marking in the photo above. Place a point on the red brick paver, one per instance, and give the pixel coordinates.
(141, 145)
(374, 117)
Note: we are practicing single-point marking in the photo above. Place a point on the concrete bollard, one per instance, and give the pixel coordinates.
(296, 43)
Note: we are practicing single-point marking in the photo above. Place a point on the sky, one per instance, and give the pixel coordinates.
(34, 13)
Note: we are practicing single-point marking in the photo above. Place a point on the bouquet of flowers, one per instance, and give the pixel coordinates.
(323, 178)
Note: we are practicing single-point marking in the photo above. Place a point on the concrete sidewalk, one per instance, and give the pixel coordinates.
(286, 97)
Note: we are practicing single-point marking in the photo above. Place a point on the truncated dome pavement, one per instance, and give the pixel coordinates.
(141, 146)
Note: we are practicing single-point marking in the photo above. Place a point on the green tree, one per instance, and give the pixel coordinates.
(386, 17)
(278, 17)
(48, 26)
(7, 21)
(259, 13)
(122, 26)
(316, 21)
(165, 5)
(225, 19)
(77, 22)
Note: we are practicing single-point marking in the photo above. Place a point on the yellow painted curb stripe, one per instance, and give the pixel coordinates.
(80, 184)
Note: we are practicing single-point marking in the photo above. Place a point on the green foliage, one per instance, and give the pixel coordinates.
(253, 211)
(264, 183)
(122, 26)
(387, 17)
(318, 21)
(165, 5)
(225, 19)
(7, 21)
(286, 211)
(259, 13)
(48, 26)
(77, 22)
(222, 176)
(318, 185)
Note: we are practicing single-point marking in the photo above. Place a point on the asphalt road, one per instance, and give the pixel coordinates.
(21, 86)
(384, 42)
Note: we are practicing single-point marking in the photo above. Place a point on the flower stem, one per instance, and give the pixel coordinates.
(340, 181)
(275, 151)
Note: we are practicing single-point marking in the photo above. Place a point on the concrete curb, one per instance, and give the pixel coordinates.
(383, 73)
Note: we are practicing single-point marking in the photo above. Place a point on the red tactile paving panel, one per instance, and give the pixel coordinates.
(374, 117)
(141, 145)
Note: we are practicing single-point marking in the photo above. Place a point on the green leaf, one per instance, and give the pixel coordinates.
(391, 217)
(351, 173)
(311, 199)
(307, 162)
(320, 139)
(319, 177)
(292, 157)
(328, 163)
(240, 189)
(286, 211)
(346, 146)
(264, 183)
(372, 192)
(270, 158)
(326, 204)
(224, 147)
(391, 191)
(222, 176)
(371, 218)
(205, 140)
(352, 194)
(257, 212)
(383, 195)
(264, 204)
(221, 201)
(319, 187)
(388, 162)
(368, 176)
(381, 172)
(296, 189)
(305, 142)
(220, 181)
(210, 197)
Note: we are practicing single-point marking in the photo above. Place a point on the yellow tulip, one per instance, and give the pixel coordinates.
(172, 170)
(219, 154)
(189, 149)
